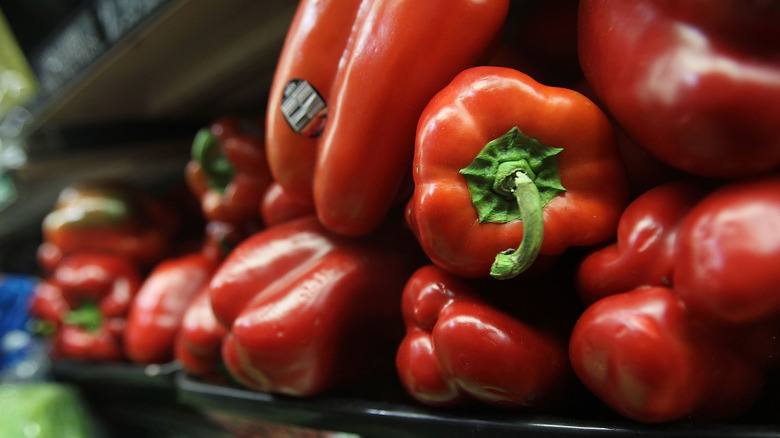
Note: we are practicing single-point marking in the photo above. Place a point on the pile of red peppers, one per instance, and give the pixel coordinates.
(484, 202)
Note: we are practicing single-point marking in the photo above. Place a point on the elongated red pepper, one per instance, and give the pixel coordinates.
(228, 171)
(308, 311)
(111, 217)
(301, 90)
(85, 301)
(156, 313)
(502, 161)
(642, 353)
(198, 343)
(696, 83)
(396, 57)
(459, 347)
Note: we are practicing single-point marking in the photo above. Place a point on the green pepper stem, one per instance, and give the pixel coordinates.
(511, 262)
(87, 316)
(216, 166)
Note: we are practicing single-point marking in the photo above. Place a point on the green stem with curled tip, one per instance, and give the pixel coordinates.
(511, 262)
(513, 178)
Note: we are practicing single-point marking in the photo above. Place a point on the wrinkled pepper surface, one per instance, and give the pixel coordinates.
(352, 80)
(110, 217)
(308, 311)
(507, 169)
(156, 313)
(696, 83)
(642, 353)
(460, 347)
(228, 171)
(85, 301)
(717, 248)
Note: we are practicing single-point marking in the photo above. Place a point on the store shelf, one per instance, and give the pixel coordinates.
(158, 59)
(389, 414)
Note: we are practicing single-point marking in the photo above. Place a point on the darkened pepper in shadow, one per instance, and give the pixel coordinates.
(463, 345)
(696, 83)
(507, 169)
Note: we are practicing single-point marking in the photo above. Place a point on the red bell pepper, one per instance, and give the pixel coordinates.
(85, 301)
(397, 55)
(728, 252)
(643, 354)
(198, 343)
(501, 161)
(308, 311)
(460, 347)
(645, 253)
(278, 206)
(696, 83)
(228, 171)
(156, 313)
(716, 246)
(111, 217)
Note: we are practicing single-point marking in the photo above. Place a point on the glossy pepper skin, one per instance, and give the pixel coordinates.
(695, 83)
(643, 354)
(560, 142)
(728, 250)
(198, 343)
(228, 171)
(156, 313)
(107, 216)
(308, 311)
(459, 347)
(312, 49)
(396, 57)
(645, 252)
(715, 245)
(85, 301)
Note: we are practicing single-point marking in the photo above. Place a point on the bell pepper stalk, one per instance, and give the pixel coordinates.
(198, 343)
(643, 354)
(279, 205)
(228, 171)
(156, 313)
(308, 311)
(360, 170)
(691, 82)
(107, 216)
(461, 347)
(83, 303)
(714, 245)
(507, 170)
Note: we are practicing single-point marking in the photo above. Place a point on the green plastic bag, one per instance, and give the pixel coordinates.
(43, 410)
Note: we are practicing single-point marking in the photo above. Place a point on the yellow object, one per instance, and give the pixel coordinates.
(17, 80)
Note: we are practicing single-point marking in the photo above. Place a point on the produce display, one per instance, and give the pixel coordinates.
(430, 200)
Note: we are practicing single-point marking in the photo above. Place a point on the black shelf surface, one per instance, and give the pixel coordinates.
(390, 415)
